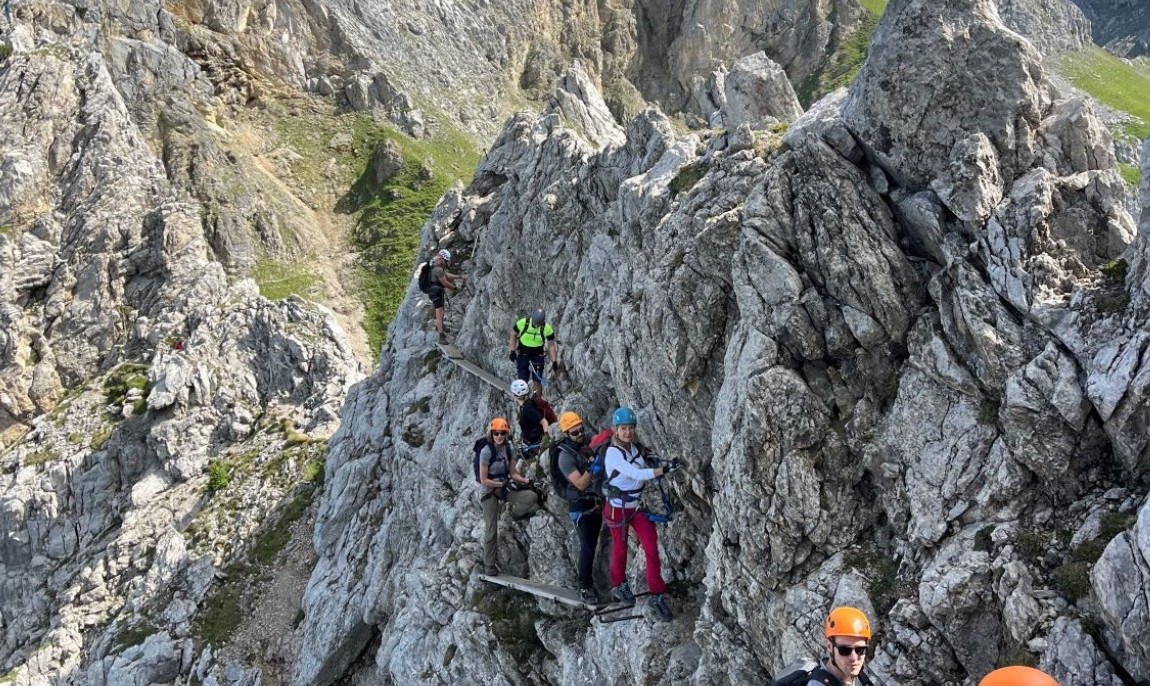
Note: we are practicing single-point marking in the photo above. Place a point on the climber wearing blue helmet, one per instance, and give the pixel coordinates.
(626, 463)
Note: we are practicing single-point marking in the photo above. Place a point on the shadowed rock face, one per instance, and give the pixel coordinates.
(1122, 26)
(884, 344)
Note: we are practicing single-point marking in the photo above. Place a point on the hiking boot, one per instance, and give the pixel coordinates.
(589, 596)
(659, 604)
(623, 594)
(443, 339)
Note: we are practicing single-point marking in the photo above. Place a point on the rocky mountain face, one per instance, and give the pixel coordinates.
(887, 262)
(900, 347)
(1054, 26)
(1121, 26)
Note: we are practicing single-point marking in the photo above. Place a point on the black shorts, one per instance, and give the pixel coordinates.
(435, 292)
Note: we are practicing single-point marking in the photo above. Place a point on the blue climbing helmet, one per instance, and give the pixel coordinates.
(624, 415)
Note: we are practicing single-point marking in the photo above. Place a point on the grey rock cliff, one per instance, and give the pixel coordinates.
(1122, 26)
(885, 345)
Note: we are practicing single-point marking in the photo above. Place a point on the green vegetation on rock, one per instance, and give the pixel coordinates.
(122, 379)
(218, 476)
(685, 180)
(278, 281)
(843, 65)
(875, 7)
(393, 212)
(1131, 174)
(1116, 270)
(134, 636)
(1114, 82)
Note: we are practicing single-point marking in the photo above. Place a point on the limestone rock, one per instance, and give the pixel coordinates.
(757, 92)
(910, 125)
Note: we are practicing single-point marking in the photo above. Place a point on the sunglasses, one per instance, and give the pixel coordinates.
(575, 432)
(498, 433)
(847, 650)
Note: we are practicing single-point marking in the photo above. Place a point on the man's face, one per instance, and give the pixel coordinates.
(576, 433)
(851, 663)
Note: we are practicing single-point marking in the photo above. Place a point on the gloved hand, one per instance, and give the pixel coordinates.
(512, 356)
(671, 466)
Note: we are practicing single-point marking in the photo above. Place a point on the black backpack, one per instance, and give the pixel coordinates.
(425, 276)
(559, 482)
(800, 672)
(477, 449)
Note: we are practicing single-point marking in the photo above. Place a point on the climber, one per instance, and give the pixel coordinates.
(1017, 676)
(847, 634)
(434, 280)
(627, 468)
(571, 474)
(526, 348)
(535, 417)
(501, 482)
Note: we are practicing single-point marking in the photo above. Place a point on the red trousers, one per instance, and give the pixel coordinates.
(648, 538)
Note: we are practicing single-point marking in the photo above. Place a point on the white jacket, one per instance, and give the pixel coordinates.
(632, 470)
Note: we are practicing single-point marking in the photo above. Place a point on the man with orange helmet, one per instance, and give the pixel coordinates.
(1017, 676)
(571, 473)
(848, 636)
(496, 471)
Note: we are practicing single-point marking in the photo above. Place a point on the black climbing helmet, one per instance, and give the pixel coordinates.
(538, 317)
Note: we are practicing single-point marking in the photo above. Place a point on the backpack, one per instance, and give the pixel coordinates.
(559, 481)
(799, 672)
(545, 408)
(802, 671)
(425, 276)
(477, 449)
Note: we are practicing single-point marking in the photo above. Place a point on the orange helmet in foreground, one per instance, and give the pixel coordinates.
(848, 621)
(499, 424)
(1018, 676)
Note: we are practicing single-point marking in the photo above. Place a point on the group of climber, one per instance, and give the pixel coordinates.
(624, 468)
(602, 479)
(846, 642)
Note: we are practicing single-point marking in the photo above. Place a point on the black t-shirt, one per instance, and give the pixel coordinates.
(531, 423)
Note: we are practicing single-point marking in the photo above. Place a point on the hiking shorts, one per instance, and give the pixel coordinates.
(524, 360)
(435, 292)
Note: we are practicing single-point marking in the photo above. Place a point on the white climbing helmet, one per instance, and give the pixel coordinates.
(445, 254)
(519, 388)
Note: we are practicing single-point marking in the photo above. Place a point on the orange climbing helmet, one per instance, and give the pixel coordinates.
(569, 420)
(1017, 676)
(499, 424)
(847, 621)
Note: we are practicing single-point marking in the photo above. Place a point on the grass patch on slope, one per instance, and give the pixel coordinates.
(392, 214)
(330, 152)
(1131, 174)
(846, 61)
(875, 7)
(1112, 82)
(278, 281)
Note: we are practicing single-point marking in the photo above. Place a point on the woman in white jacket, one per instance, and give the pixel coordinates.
(627, 470)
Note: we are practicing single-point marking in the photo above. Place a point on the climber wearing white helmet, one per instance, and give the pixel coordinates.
(434, 280)
(535, 417)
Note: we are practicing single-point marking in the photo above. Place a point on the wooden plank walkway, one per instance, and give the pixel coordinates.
(453, 354)
(556, 593)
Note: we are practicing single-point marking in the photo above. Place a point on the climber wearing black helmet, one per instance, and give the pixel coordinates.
(525, 347)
